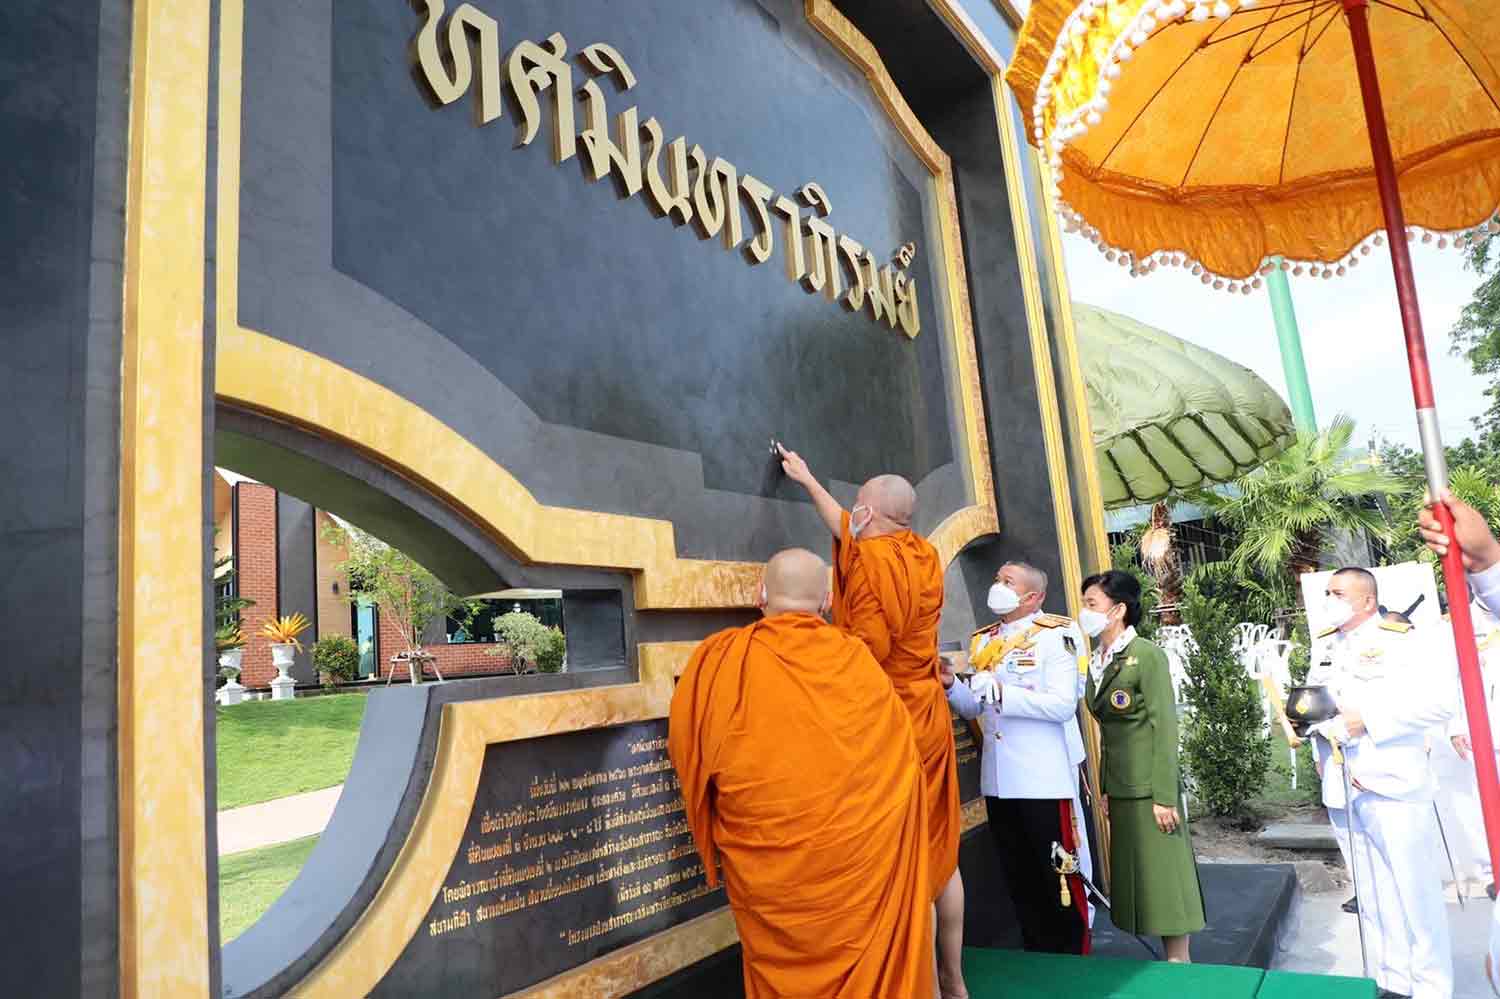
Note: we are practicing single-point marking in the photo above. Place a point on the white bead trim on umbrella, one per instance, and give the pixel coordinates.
(1154, 15)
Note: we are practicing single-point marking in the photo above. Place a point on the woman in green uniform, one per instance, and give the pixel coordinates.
(1153, 878)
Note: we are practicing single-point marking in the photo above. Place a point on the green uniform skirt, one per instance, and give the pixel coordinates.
(1153, 879)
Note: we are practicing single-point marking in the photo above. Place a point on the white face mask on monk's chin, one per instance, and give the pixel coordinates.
(854, 525)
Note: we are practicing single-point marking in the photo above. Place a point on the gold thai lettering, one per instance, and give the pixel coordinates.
(622, 155)
(446, 87)
(758, 250)
(669, 197)
(796, 263)
(681, 181)
(878, 292)
(532, 69)
(850, 253)
(907, 312)
(822, 244)
(716, 199)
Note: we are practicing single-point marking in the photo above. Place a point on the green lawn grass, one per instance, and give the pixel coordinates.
(249, 882)
(270, 749)
(1278, 793)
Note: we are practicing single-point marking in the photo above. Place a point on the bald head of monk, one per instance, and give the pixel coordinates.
(796, 582)
(884, 505)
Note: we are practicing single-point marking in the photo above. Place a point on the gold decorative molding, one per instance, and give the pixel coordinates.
(163, 929)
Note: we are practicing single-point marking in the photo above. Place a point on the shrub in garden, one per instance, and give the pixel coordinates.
(1224, 751)
(531, 641)
(336, 657)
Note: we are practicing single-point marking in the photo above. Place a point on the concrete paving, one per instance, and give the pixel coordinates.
(1298, 836)
(279, 821)
(1323, 939)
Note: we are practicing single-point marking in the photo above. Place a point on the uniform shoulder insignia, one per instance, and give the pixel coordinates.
(987, 628)
(1400, 627)
(1325, 632)
(1053, 620)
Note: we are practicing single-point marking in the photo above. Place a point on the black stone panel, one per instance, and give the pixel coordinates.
(1023, 492)
(297, 575)
(633, 368)
(63, 70)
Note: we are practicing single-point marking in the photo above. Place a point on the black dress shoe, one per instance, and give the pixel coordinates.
(1490, 891)
(1352, 906)
(1388, 994)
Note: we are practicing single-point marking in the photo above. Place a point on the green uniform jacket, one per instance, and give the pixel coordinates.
(1137, 717)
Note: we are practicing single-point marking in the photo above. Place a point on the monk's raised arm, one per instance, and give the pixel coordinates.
(828, 508)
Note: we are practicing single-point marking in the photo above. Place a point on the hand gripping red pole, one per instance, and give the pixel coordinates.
(1357, 14)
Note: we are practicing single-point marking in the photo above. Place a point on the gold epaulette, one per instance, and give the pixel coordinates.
(1326, 632)
(1053, 620)
(980, 631)
(1400, 627)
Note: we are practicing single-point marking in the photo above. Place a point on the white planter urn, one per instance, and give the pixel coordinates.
(283, 688)
(231, 693)
(229, 661)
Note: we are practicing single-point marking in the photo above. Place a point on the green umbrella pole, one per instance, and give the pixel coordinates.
(1291, 349)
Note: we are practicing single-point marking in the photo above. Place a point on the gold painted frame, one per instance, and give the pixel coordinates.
(163, 903)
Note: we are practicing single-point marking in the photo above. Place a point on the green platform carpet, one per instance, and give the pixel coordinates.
(1009, 974)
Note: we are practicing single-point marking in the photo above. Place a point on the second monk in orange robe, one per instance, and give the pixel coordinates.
(782, 736)
(888, 591)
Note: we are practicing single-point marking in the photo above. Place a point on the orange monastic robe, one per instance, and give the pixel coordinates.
(889, 592)
(799, 774)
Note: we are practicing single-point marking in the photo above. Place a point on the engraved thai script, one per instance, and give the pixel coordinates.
(679, 180)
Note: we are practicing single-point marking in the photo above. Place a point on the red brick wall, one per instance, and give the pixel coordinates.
(255, 562)
(453, 660)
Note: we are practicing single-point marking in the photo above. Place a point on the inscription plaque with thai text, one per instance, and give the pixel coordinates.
(577, 845)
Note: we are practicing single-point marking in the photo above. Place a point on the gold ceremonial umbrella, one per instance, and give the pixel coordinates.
(1217, 134)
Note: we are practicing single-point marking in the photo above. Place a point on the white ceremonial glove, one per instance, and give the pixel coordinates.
(1333, 730)
(986, 687)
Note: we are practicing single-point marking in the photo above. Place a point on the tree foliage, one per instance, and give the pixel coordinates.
(1126, 556)
(1284, 510)
(1476, 335)
(410, 596)
(1224, 752)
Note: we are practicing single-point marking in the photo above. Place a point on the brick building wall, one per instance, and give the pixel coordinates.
(255, 563)
(453, 660)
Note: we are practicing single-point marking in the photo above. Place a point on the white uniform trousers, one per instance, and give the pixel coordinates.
(1458, 801)
(1400, 902)
(1339, 819)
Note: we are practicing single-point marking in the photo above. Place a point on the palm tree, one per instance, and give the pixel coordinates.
(1159, 556)
(1285, 510)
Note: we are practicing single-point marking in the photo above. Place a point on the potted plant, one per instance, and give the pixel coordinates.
(283, 632)
(229, 642)
(336, 658)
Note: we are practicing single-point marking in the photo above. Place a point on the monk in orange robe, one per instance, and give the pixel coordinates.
(799, 774)
(888, 590)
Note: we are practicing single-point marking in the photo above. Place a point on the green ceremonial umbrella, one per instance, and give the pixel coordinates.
(1169, 416)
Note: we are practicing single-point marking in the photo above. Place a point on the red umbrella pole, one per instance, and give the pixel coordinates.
(1356, 11)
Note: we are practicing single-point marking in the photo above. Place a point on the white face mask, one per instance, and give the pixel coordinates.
(1003, 599)
(1092, 622)
(854, 525)
(1338, 611)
